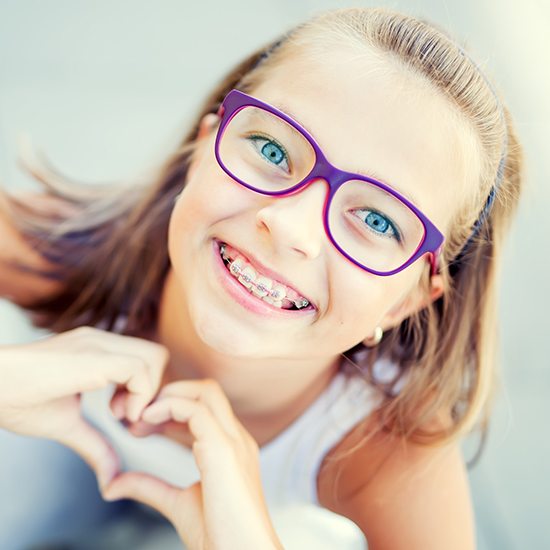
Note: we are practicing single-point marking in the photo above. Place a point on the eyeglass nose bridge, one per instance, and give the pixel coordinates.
(334, 178)
(323, 169)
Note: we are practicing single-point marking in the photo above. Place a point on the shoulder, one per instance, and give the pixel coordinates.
(401, 495)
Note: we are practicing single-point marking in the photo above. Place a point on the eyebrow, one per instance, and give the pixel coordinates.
(367, 173)
(377, 177)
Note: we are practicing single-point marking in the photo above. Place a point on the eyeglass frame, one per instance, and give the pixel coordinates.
(432, 240)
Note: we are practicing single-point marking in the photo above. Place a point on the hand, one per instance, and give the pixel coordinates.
(226, 508)
(41, 384)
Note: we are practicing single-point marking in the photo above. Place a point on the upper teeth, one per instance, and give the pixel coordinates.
(261, 286)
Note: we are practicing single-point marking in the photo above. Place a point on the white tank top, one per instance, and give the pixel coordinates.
(289, 463)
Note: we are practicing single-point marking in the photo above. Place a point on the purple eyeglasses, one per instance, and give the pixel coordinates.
(368, 222)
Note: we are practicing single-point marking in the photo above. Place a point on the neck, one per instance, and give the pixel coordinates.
(255, 387)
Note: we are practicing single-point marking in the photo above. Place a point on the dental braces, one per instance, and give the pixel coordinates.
(274, 294)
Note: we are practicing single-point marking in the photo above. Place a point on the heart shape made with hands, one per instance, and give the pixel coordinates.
(226, 507)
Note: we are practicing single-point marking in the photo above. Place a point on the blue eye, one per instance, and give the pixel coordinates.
(271, 151)
(380, 224)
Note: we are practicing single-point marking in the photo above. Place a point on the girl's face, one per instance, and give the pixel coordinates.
(367, 116)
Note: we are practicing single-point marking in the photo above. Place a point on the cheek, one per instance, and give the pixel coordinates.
(361, 300)
(364, 301)
(357, 302)
(206, 197)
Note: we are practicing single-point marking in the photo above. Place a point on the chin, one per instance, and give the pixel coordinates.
(225, 336)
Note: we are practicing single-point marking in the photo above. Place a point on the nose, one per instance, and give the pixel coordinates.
(295, 222)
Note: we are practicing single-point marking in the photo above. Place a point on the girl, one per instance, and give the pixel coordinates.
(305, 295)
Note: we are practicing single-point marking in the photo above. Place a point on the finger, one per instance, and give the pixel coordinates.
(90, 444)
(136, 402)
(123, 401)
(96, 371)
(118, 403)
(199, 418)
(143, 385)
(169, 408)
(182, 507)
(144, 429)
(173, 430)
(145, 489)
(120, 349)
(209, 392)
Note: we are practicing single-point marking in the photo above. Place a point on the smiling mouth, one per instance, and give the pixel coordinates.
(263, 287)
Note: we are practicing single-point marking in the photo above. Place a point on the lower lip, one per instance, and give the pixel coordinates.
(241, 295)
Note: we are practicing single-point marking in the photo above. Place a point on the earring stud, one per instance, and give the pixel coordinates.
(374, 340)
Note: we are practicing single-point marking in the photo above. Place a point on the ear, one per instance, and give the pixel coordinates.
(413, 302)
(207, 124)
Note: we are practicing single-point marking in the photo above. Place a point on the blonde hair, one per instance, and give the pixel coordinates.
(446, 353)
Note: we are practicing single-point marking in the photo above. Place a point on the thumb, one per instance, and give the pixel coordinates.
(182, 507)
(92, 446)
(146, 489)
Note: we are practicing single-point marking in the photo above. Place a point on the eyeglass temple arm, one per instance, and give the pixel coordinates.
(434, 261)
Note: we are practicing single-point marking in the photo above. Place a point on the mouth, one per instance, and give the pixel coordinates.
(261, 282)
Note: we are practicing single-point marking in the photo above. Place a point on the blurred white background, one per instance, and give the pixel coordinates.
(107, 89)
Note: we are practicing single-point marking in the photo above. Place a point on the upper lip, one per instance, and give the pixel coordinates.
(252, 260)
